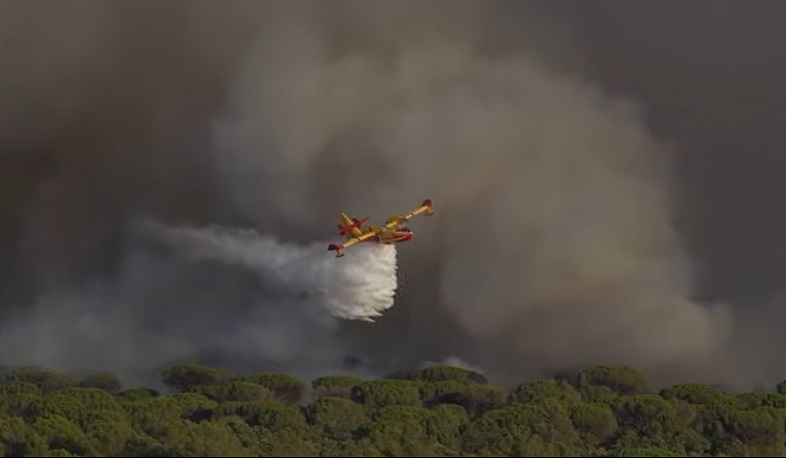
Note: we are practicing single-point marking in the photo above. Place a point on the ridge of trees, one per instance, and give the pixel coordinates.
(439, 410)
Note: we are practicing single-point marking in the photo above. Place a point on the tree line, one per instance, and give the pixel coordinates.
(434, 411)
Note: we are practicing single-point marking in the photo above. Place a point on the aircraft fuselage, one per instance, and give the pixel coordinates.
(394, 230)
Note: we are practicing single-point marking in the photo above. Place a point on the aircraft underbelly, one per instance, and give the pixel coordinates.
(394, 237)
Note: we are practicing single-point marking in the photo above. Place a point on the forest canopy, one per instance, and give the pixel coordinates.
(433, 411)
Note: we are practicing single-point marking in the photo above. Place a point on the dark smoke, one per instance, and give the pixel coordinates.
(573, 211)
(712, 77)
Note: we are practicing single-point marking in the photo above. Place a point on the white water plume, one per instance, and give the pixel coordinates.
(359, 286)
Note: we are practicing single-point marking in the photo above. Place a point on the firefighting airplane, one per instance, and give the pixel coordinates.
(395, 229)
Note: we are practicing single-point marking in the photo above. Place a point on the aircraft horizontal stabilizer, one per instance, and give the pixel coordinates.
(339, 249)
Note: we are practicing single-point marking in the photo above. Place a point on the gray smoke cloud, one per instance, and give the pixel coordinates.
(553, 244)
(220, 293)
(711, 79)
(556, 235)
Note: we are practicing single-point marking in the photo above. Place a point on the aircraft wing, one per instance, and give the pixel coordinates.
(426, 207)
(351, 240)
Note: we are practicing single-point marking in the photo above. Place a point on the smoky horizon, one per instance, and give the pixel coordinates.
(607, 180)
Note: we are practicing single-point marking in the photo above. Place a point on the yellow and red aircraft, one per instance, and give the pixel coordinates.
(394, 230)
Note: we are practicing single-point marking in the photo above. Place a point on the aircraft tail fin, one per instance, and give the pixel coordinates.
(350, 226)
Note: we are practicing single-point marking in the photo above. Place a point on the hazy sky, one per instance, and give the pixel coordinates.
(595, 166)
(711, 75)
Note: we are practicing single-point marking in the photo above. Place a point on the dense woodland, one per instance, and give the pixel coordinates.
(435, 411)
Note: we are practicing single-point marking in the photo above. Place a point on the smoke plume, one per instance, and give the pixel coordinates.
(213, 293)
(242, 130)
(555, 230)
